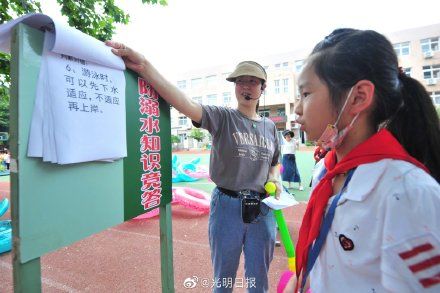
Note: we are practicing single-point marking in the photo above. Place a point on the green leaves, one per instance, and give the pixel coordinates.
(175, 138)
(13, 8)
(94, 17)
(4, 66)
(161, 2)
(197, 134)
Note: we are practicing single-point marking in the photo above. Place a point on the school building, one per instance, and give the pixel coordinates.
(417, 49)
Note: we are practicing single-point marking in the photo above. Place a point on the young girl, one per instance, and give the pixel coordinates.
(290, 169)
(244, 157)
(372, 223)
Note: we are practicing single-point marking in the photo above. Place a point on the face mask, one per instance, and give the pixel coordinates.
(331, 138)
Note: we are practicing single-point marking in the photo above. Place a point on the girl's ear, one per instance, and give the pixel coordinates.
(363, 93)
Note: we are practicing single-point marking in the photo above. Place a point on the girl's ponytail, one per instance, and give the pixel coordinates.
(416, 124)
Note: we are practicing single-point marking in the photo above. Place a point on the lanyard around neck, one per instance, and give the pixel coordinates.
(325, 228)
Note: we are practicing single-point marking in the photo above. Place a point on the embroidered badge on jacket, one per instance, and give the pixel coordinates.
(346, 243)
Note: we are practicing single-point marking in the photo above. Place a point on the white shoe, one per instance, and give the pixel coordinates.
(301, 188)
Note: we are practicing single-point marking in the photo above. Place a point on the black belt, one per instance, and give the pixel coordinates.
(237, 194)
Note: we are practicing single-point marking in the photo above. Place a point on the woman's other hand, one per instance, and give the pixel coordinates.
(279, 187)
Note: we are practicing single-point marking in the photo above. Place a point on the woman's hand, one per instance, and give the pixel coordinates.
(278, 186)
(132, 59)
(274, 174)
(169, 92)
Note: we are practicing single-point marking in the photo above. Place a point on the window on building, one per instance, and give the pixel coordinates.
(435, 97)
(197, 100)
(401, 49)
(286, 85)
(182, 137)
(212, 99)
(196, 82)
(285, 64)
(227, 99)
(264, 113)
(183, 121)
(430, 44)
(210, 80)
(276, 87)
(299, 65)
(277, 65)
(281, 112)
(181, 84)
(407, 71)
(431, 71)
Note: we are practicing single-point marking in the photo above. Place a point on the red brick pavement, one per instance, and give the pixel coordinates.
(126, 258)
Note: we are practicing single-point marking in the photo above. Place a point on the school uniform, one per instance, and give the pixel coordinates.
(385, 233)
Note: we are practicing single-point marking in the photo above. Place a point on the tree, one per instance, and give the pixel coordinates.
(438, 110)
(197, 134)
(175, 138)
(93, 17)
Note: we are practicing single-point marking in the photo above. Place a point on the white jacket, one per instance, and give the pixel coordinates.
(389, 223)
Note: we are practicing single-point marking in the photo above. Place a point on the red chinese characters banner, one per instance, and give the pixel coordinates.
(147, 168)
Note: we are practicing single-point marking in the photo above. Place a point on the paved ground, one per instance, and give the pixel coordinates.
(126, 258)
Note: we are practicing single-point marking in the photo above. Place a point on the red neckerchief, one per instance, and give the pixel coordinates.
(381, 145)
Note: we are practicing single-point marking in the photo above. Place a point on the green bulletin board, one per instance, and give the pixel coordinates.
(56, 205)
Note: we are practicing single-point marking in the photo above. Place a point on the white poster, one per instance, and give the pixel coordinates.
(79, 112)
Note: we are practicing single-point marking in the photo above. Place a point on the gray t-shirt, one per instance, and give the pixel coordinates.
(242, 151)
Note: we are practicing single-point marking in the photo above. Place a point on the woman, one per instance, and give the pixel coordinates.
(376, 195)
(290, 169)
(244, 155)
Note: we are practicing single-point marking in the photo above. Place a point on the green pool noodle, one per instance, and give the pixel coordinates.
(286, 240)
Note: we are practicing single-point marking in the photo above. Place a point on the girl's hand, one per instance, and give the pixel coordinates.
(132, 59)
(287, 282)
(290, 285)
